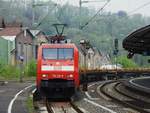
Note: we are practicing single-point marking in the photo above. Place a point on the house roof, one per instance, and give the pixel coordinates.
(138, 41)
(10, 38)
(35, 32)
(14, 24)
(10, 31)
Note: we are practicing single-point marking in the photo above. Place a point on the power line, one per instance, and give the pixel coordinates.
(55, 5)
(134, 10)
(91, 19)
(140, 7)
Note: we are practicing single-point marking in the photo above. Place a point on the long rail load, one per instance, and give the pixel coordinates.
(118, 70)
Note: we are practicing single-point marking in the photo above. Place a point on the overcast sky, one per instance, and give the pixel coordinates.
(114, 5)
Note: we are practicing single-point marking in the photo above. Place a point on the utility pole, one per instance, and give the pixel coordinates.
(85, 45)
(80, 5)
(33, 12)
(116, 54)
(21, 60)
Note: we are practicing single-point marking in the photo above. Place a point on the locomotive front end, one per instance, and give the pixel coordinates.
(58, 70)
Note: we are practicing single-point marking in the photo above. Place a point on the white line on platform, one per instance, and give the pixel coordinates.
(33, 91)
(92, 84)
(53, 109)
(43, 110)
(103, 107)
(15, 97)
(138, 85)
(89, 96)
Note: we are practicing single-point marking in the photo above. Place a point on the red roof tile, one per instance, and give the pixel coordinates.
(10, 31)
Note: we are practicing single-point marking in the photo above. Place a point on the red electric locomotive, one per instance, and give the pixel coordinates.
(57, 70)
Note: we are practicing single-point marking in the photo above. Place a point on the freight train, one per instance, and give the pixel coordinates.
(57, 70)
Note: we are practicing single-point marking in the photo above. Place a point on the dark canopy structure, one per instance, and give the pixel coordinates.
(138, 42)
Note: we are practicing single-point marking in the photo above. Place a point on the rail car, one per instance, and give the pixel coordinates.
(57, 70)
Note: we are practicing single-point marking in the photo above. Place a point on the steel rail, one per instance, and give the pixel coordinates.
(49, 108)
(76, 108)
(133, 98)
(125, 103)
(72, 105)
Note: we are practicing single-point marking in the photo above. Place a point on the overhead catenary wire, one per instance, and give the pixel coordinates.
(140, 7)
(136, 9)
(55, 5)
(91, 19)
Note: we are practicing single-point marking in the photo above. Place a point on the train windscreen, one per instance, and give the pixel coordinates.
(58, 53)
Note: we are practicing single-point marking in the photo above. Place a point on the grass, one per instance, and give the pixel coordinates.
(29, 104)
(9, 72)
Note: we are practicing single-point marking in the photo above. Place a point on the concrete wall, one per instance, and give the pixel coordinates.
(6, 46)
(3, 51)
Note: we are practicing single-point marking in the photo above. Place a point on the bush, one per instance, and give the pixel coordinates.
(30, 69)
(126, 63)
(13, 72)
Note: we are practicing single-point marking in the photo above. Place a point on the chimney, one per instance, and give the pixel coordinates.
(25, 31)
(3, 23)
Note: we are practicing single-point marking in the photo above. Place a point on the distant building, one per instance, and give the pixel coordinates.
(20, 42)
(94, 59)
(5, 49)
(39, 38)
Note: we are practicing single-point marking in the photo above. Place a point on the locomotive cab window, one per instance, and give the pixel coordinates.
(65, 53)
(49, 53)
(59, 53)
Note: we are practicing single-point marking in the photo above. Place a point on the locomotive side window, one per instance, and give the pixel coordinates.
(49, 53)
(59, 53)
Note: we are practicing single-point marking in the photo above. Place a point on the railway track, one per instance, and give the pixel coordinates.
(112, 91)
(62, 107)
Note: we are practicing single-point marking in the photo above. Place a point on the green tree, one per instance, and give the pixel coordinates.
(126, 63)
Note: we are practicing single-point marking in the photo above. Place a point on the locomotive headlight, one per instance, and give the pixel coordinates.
(70, 76)
(44, 76)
